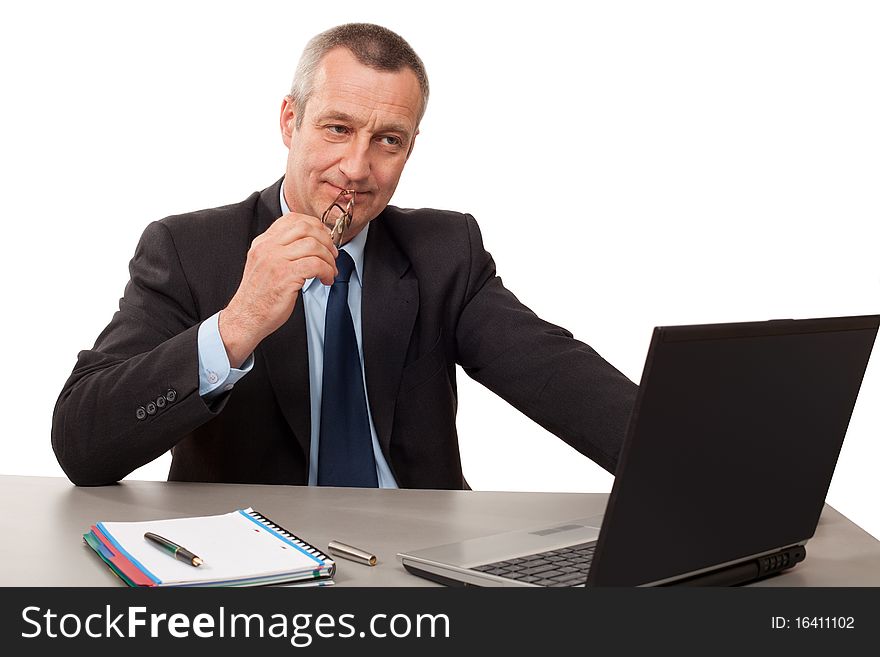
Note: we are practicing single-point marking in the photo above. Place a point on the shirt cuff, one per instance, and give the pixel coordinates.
(215, 374)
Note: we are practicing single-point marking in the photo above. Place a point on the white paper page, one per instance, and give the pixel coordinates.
(231, 545)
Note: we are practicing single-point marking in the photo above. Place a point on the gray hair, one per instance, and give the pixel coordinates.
(372, 45)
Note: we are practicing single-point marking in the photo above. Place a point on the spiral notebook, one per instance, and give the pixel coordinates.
(241, 548)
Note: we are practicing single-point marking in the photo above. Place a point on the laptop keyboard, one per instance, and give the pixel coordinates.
(564, 567)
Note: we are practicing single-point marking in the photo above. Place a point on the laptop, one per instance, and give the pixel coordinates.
(722, 475)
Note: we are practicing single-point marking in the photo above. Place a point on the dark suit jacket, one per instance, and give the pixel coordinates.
(431, 299)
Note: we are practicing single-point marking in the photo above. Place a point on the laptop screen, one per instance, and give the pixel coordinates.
(732, 444)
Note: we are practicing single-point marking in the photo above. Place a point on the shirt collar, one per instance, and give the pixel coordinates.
(354, 248)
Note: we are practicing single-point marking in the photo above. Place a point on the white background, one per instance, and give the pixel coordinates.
(660, 162)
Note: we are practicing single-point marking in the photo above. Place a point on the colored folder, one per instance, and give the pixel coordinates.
(241, 548)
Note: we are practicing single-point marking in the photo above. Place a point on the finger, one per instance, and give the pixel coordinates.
(295, 227)
(312, 266)
(317, 260)
(291, 219)
(309, 246)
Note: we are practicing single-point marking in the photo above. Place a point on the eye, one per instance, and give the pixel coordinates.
(337, 129)
(391, 140)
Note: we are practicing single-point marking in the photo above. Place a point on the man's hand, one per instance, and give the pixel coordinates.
(294, 249)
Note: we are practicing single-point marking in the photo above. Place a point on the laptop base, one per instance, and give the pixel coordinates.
(738, 574)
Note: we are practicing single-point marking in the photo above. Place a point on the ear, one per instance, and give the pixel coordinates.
(288, 119)
(412, 145)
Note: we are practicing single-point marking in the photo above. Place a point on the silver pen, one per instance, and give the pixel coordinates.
(351, 552)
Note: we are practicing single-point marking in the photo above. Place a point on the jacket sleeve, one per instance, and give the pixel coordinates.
(539, 368)
(135, 394)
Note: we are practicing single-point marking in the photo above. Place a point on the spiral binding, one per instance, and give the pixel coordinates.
(305, 545)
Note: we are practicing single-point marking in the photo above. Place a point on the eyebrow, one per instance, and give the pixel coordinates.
(348, 118)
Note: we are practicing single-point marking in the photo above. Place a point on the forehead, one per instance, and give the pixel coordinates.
(342, 84)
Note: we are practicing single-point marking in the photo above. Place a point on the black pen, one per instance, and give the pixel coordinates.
(174, 549)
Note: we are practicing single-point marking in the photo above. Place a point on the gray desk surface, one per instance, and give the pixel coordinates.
(43, 520)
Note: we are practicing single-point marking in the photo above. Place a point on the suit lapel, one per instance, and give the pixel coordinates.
(390, 304)
(286, 353)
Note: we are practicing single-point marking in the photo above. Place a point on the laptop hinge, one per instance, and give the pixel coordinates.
(748, 571)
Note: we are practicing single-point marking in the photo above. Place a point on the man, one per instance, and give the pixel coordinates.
(257, 351)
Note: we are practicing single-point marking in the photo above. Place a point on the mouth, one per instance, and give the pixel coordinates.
(345, 193)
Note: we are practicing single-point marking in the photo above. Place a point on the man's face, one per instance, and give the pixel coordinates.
(357, 132)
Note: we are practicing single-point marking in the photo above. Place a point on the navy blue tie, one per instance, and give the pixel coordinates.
(345, 453)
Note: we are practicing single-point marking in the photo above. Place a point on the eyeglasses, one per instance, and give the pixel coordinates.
(343, 221)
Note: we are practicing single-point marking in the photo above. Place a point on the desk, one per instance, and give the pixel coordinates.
(47, 516)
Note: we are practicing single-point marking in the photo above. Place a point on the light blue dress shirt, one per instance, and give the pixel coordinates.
(216, 376)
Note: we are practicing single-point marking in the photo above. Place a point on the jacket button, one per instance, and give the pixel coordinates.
(141, 413)
(160, 401)
(151, 409)
(171, 395)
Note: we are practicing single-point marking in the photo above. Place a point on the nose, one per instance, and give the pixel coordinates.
(355, 161)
